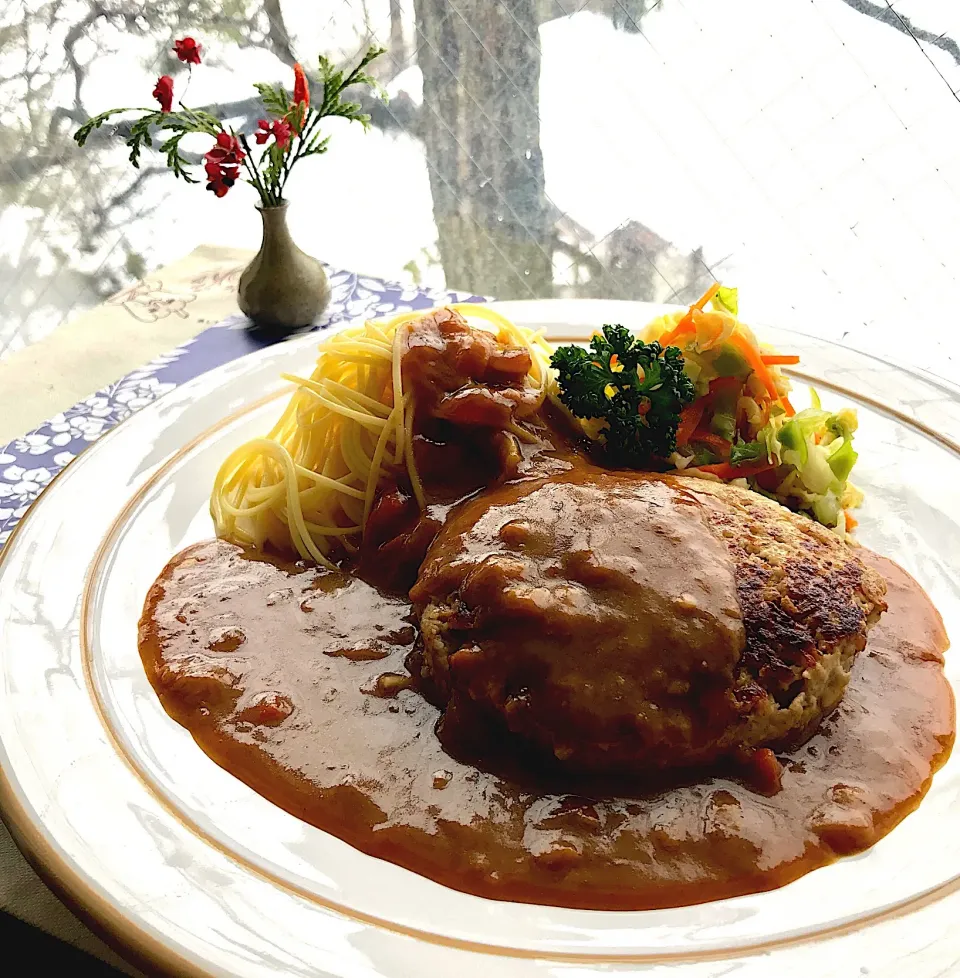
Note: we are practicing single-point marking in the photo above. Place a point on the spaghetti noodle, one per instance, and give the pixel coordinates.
(308, 487)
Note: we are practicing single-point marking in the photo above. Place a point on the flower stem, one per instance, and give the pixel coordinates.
(303, 138)
(290, 157)
(187, 88)
(265, 196)
(202, 124)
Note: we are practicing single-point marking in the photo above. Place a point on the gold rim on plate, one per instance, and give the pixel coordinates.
(149, 950)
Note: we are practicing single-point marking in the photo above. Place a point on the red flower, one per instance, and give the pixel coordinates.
(163, 93)
(222, 163)
(188, 51)
(220, 187)
(226, 151)
(301, 91)
(280, 130)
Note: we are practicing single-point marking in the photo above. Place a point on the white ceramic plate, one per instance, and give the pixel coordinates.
(192, 873)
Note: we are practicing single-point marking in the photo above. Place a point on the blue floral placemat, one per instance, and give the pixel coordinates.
(28, 464)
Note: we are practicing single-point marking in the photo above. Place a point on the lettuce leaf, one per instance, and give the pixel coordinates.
(726, 299)
(748, 451)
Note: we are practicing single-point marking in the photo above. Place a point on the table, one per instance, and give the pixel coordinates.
(155, 315)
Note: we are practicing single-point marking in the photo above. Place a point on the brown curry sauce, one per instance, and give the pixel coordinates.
(300, 682)
(296, 681)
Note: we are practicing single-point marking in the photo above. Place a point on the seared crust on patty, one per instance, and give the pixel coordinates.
(803, 593)
(623, 621)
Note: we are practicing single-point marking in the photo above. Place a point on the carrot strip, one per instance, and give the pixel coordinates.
(787, 406)
(776, 360)
(849, 522)
(752, 355)
(707, 296)
(726, 471)
(685, 326)
(689, 420)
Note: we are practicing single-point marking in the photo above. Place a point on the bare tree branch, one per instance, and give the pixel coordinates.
(625, 15)
(397, 46)
(69, 43)
(899, 22)
(104, 211)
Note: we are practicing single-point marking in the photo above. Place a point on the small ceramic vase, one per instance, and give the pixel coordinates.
(282, 289)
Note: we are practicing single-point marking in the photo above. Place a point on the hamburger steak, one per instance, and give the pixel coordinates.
(635, 623)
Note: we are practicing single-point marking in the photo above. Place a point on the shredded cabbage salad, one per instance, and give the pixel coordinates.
(742, 428)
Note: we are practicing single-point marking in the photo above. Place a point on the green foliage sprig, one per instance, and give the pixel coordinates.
(290, 132)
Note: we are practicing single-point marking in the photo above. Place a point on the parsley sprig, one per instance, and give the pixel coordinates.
(638, 389)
